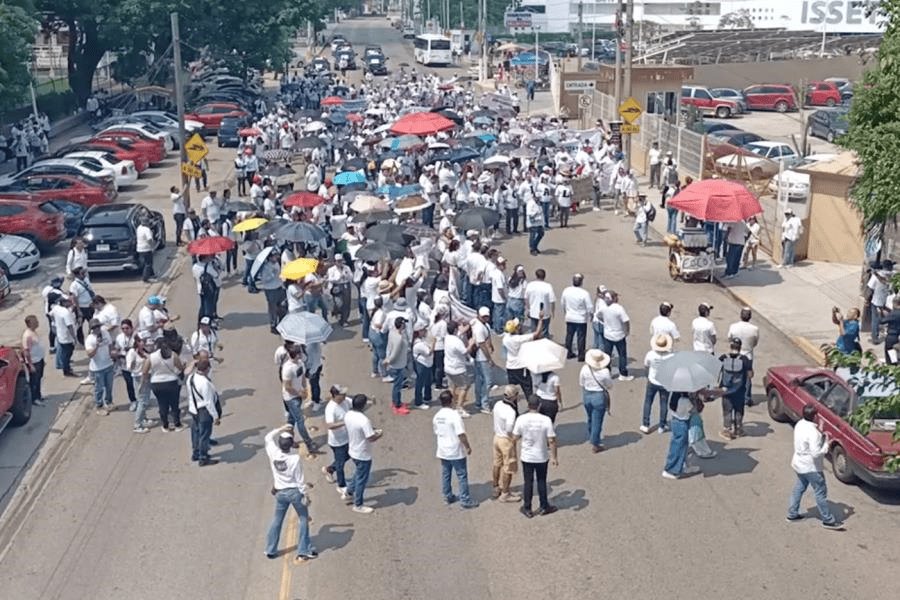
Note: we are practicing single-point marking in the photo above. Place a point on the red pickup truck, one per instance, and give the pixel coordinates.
(15, 394)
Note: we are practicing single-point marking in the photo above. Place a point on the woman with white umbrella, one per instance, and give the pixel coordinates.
(595, 382)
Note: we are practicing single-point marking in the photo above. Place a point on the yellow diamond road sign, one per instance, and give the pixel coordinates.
(191, 170)
(630, 110)
(629, 129)
(196, 149)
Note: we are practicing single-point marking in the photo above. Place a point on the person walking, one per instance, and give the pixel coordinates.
(595, 382)
(540, 298)
(452, 449)
(34, 353)
(810, 447)
(578, 308)
(682, 406)
(457, 359)
(179, 213)
(662, 324)
(534, 219)
(162, 372)
(269, 281)
(737, 370)
(660, 351)
(338, 441)
(205, 410)
(484, 360)
(504, 461)
(361, 435)
(63, 319)
(290, 489)
(616, 328)
(395, 360)
(99, 347)
(748, 333)
(438, 331)
(538, 448)
(144, 245)
(546, 387)
(293, 390)
(209, 281)
(791, 230)
(643, 214)
(735, 240)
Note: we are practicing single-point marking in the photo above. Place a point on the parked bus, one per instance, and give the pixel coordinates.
(432, 49)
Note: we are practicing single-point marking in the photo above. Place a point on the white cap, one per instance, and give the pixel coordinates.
(484, 311)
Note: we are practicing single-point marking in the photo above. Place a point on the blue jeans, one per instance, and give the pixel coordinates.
(363, 317)
(640, 232)
(498, 317)
(545, 330)
(672, 222)
(143, 399)
(598, 335)
(678, 446)
(207, 306)
(246, 279)
(314, 301)
(545, 207)
(535, 234)
(787, 252)
(357, 487)
(876, 321)
(424, 377)
(820, 490)
(621, 348)
(482, 384)
(651, 391)
(294, 410)
(399, 376)
(515, 308)
(341, 456)
(595, 408)
(462, 476)
(103, 384)
(733, 258)
(64, 356)
(201, 431)
(428, 215)
(482, 296)
(379, 348)
(283, 499)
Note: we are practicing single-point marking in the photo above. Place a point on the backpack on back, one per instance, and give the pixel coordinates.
(733, 374)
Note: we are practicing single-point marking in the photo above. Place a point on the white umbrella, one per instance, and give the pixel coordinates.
(540, 356)
(517, 132)
(688, 371)
(382, 128)
(315, 126)
(497, 159)
(260, 260)
(304, 328)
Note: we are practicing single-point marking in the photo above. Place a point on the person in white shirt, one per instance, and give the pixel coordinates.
(616, 329)
(879, 284)
(484, 362)
(108, 315)
(423, 363)
(653, 159)
(595, 382)
(452, 449)
(791, 230)
(339, 277)
(564, 200)
(540, 298)
(704, 331)
(338, 440)
(289, 488)
(497, 278)
(99, 347)
(205, 339)
(578, 307)
(206, 269)
(293, 390)
(660, 351)
(505, 460)
(810, 448)
(748, 333)
(735, 239)
(144, 245)
(211, 208)
(663, 324)
(76, 257)
(457, 360)
(642, 211)
(179, 213)
(361, 435)
(205, 410)
(538, 448)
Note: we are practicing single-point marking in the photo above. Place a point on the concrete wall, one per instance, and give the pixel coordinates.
(741, 75)
(833, 226)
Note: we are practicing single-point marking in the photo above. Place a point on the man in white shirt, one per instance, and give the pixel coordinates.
(736, 237)
(538, 448)
(497, 278)
(748, 333)
(144, 245)
(810, 448)
(642, 212)
(360, 436)
(484, 361)
(179, 213)
(704, 331)
(338, 440)
(540, 298)
(338, 277)
(211, 208)
(616, 328)
(293, 390)
(879, 282)
(663, 324)
(660, 351)
(505, 461)
(534, 221)
(203, 404)
(289, 488)
(452, 449)
(653, 156)
(791, 230)
(578, 307)
(99, 347)
(64, 324)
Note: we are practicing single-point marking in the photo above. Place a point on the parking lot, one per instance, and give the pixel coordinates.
(780, 127)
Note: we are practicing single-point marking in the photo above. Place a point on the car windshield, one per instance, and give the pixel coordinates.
(840, 119)
(105, 232)
(720, 93)
(758, 150)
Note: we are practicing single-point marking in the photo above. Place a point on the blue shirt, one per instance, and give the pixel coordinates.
(849, 341)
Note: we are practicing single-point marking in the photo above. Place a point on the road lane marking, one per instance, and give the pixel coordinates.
(287, 571)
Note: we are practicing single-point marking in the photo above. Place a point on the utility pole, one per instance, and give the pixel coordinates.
(580, 28)
(593, 38)
(629, 59)
(462, 19)
(620, 31)
(484, 42)
(537, 55)
(184, 181)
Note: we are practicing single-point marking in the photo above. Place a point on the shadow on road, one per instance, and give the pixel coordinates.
(235, 393)
(242, 320)
(241, 450)
(730, 461)
(395, 496)
(383, 477)
(333, 536)
(574, 500)
(757, 429)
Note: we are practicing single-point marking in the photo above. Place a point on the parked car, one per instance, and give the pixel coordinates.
(836, 394)
(53, 186)
(771, 96)
(703, 99)
(376, 64)
(828, 124)
(39, 222)
(778, 152)
(5, 288)
(212, 113)
(822, 93)
(152, 151)
(744, 164)
(711, 127)
(120, 150)
(317, 66)
(736, 96)
(72, 213)
(123, 170)
(347, 56)
(18, 255)
(110, 235)
(15, 393)
(845, 86)
(63, 166)
(228, 131)
(792, 184)
(735, 137)
(372, 51)
(166, 120)
(149, 132)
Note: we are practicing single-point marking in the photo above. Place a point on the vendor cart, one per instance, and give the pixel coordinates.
(690, 257)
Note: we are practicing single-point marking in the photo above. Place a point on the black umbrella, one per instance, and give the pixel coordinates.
(310, 142)
(277, 154)
(477, 218)
(505, 148)
(299, 231)
(403, 64)
(240, 206)
(308, 113)
(377, 216)
(541, 143)
(418, 230)
(354, 164)
(375, 251)
(339, 90)
(390, 233)
(450, 114)
(346, 145)
(486, 112)
(276, 170)
(473, 141)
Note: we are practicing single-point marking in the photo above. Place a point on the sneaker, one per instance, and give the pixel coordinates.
(510, 497)
(365, 340)
(726, 434)
(302, 558)
(39, 403)
(317, 407)
(165, 429)
(469, 504)
(667, 475)
(450, 499)
(87, 380)
(140, 430)
(132, 406)
(102, 412)
(549, 510)
(423, 406)
(464, 414)
(364, 510)
(644, 429)
(373, 375)
(207, 462)
(400, 410)
(626, 377)
(329, 476)
(178, 428)
(526, 511)
(486, 411)
(834, 526)
(347, 496)
(692, 470)
(662, 429)
(387, 379)
(792, 519)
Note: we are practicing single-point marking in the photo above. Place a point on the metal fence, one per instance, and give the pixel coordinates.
(687, 147)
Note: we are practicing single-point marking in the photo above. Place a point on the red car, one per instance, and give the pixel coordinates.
(47, 186)
(15, 394)
(117, 149)
(706, 103)
(212, 113)
(154, 150)
(771, 96)
(40, 222)
(836, 394)
(145, 153)
(823, 93)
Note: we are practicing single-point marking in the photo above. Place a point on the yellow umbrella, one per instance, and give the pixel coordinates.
(250, 224)
(299, 268)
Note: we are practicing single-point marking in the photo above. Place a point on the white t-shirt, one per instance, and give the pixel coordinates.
(535, 430)
(663, 325)
(512, 343)
(576, 301)
(438, 331)
(292, 373)
(704, 331)
(295, 303)
(481, 333)
(359, 430)
(498, 283)
(334, 413)
(101, 360)
(545, 390)
(448, 426)
(144, 239)
(504, 419)
(652, 360)
(536, 293)
(614, 320)
(210, 207)
(108, 316)
(456, 358)
(748, 333)
(422, 353)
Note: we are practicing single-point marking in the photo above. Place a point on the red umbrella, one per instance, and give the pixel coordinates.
(303, 200)
(354, 118)
(332, 101)
(717, 200)
(422, 123)
(210, 245)
(250, 132)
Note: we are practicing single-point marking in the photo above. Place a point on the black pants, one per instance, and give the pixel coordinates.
(549, 408)
(274, 300)
(522, 378)
(145, 263)
(438, 370)
(315, 389)
(35, 381)
(21, 162)
(179, 227)
(733, 411)
(889, 343)
(530, 470)
(52, 335)
(129, 386)
(167, 395)
(242, 185)
(578, 331)
(231, 260)
(201, 431)
(512, 220)
(87, 313)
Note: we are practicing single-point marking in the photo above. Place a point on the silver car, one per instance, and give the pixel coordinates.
(734, 95)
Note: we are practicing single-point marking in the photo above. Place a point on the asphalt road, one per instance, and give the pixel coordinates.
(129, 516)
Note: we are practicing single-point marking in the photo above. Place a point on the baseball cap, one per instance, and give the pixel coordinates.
(156, 300)
(95, 323)
(484, 311)
(706, 305)
(338, 389)
(205, 321)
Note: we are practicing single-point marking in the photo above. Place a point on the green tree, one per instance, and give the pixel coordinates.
(19, 29)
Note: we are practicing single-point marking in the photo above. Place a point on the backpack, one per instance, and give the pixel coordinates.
(651, 213)
(733, 373)
(207, 282)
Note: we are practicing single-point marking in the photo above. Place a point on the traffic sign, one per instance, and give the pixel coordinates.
(585, 101)
(196, 149)
(630, 110)
(191, 170)
(628, 128)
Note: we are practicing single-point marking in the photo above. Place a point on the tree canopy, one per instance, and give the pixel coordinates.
(19, 29)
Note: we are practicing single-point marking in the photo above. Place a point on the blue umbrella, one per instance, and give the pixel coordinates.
(398, 191)
(456, 155)
(487, 138)
(483, 121)
(528, 58)
(348, 177)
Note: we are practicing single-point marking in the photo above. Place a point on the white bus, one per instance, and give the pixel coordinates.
(432, 49)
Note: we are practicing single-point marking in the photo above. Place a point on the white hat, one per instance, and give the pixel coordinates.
(472, 233)
(661, 342)
(484, 311)
(596, 359)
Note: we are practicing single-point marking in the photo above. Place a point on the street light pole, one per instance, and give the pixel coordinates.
(629, 60)
(184, 182)
(620, 13)
(593, 38)
(537, 50)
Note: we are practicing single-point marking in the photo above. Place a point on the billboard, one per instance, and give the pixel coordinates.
(835, 16)
(517, 20)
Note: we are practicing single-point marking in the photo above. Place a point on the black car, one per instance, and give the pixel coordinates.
(376, 64)
(228, 131)
(345, 55)
(72, 213)
(318, 65)
(828, 124)
(736, 138)
(109, 230)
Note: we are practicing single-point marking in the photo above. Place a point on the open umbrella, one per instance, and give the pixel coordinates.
(276, 170)
(299, 268)
(505, 147)
(367, 204)
(509, 47)
(473, 141)
(688, 371)
(260, 260)
(497, 159)
(422, 123)
(249, 224)
(523, 152)
(485, 112)
(237, 206)
(304, 328)
(378, 216)
(486, 121)
(277, 155)
(316, 126)
(303, 200)
(340, 90)
(541, 356)
(717, 200)
(331, 101)
(477, 218)
(310, 142)
(541, 143)
(452, 115)
(403, 142)
(410, 204)
(355, 117)
(356, 185)
(354, 164)
(348, 177)
(376, 251)
(390, 233)
(299, 231)
(250, 132)
(210, 245)
(399, 191)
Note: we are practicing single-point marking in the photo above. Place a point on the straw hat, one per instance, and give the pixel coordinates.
(596, 359)
(662, 342)
(384, 286)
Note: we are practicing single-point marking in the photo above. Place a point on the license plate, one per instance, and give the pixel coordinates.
(102, 247)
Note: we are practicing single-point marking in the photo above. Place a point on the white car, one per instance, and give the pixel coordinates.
(18, 256)
(760, 159)
(793, 184)
(123, 170)
(87, 166)
(166, 120)
(150, 131)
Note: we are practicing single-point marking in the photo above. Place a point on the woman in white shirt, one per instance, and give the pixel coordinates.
(515, 294)
(135, 359)
(597, 319)
(162, 372)
(752, 246)
(438, 331)
(546, 387)
(77, 257)
(595, 382)
(378, 337)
